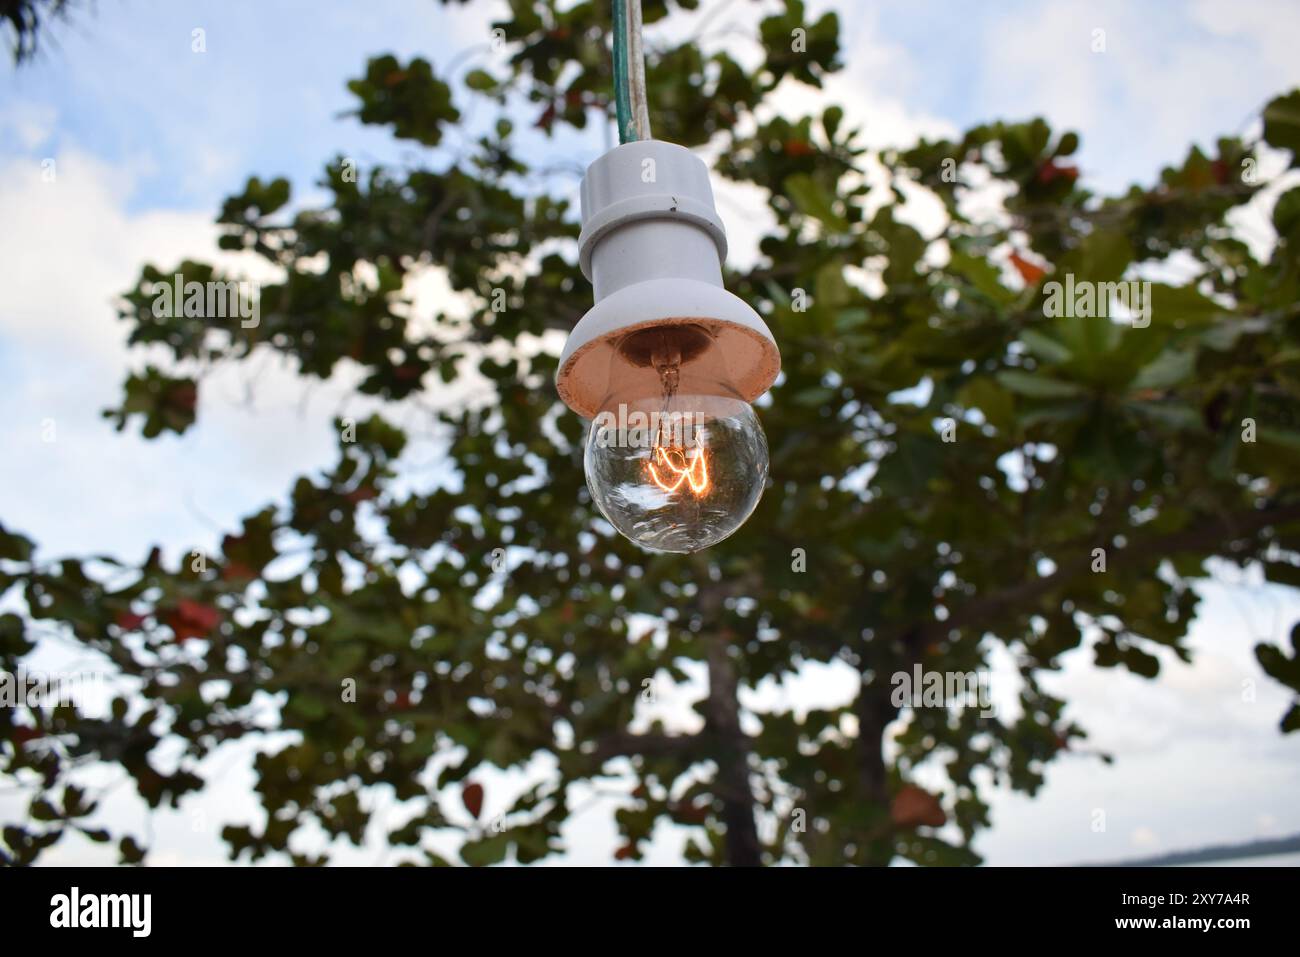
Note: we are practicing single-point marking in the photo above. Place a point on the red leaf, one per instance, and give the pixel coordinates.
(238, 571)
(183, 397)
(198, 614)
(799, 148)
(472, 795)
(407, 372)
(1029, 272)
(625, 852)
(691, 813)
(129, 621)
(547, 119)
(362, 493)
(192, 619)
(913, 806)
(1051, 171)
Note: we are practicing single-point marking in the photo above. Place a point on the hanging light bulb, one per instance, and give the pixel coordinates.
(675, 458)
(667, 362)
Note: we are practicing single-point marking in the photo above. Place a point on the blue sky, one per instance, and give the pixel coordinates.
(266, 96)
(262, 98)
(148, 137)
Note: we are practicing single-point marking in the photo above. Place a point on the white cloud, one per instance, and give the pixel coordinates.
(872, 87)
(1144, 837)
(1269, 27)
(72, 248)
(30, 124)
(1163, 82)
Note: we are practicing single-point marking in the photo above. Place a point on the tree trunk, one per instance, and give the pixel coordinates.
(875, 711)
(722, 710)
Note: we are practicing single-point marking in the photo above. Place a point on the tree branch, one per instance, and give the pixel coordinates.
(622, 744)
(1222, 531)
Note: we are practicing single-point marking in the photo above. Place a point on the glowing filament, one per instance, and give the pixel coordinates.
(679, 466)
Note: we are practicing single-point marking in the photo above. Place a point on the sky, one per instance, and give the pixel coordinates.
(147, 137)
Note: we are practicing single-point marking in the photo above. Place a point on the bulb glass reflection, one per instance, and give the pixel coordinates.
(675, 459)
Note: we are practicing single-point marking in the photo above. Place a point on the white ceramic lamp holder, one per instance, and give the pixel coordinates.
(652, 246)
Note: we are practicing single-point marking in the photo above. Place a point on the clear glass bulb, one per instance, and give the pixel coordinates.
(675, 459)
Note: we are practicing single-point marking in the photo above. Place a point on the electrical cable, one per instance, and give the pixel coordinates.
(630, 103)
(636, 55)
(622, 95)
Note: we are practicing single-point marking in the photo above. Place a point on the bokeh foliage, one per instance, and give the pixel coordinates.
(497, 622)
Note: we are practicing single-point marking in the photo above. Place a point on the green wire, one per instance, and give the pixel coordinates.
(622, 81)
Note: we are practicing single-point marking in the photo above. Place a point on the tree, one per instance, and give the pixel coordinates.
(25, 20)
(1044, 482)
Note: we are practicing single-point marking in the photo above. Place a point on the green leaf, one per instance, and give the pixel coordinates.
(982, 275)
(1170, 368)
(1038, 386)
(1291, 722)
(130, 851)
(480, 80)
(1045, 347)
(1285, 438)
(1102, 257)
(1182, 306)
(1139, 662)
(1282, 124)
(1174, 415)
(15, 547)
(813, 397)
(814, 198)
(165, 404)
(1286, 215)
(1278, 666)
(486, 850)
(1282, 573)
(409, 98)
(831, 290)
(831, 120)
(995, 402)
